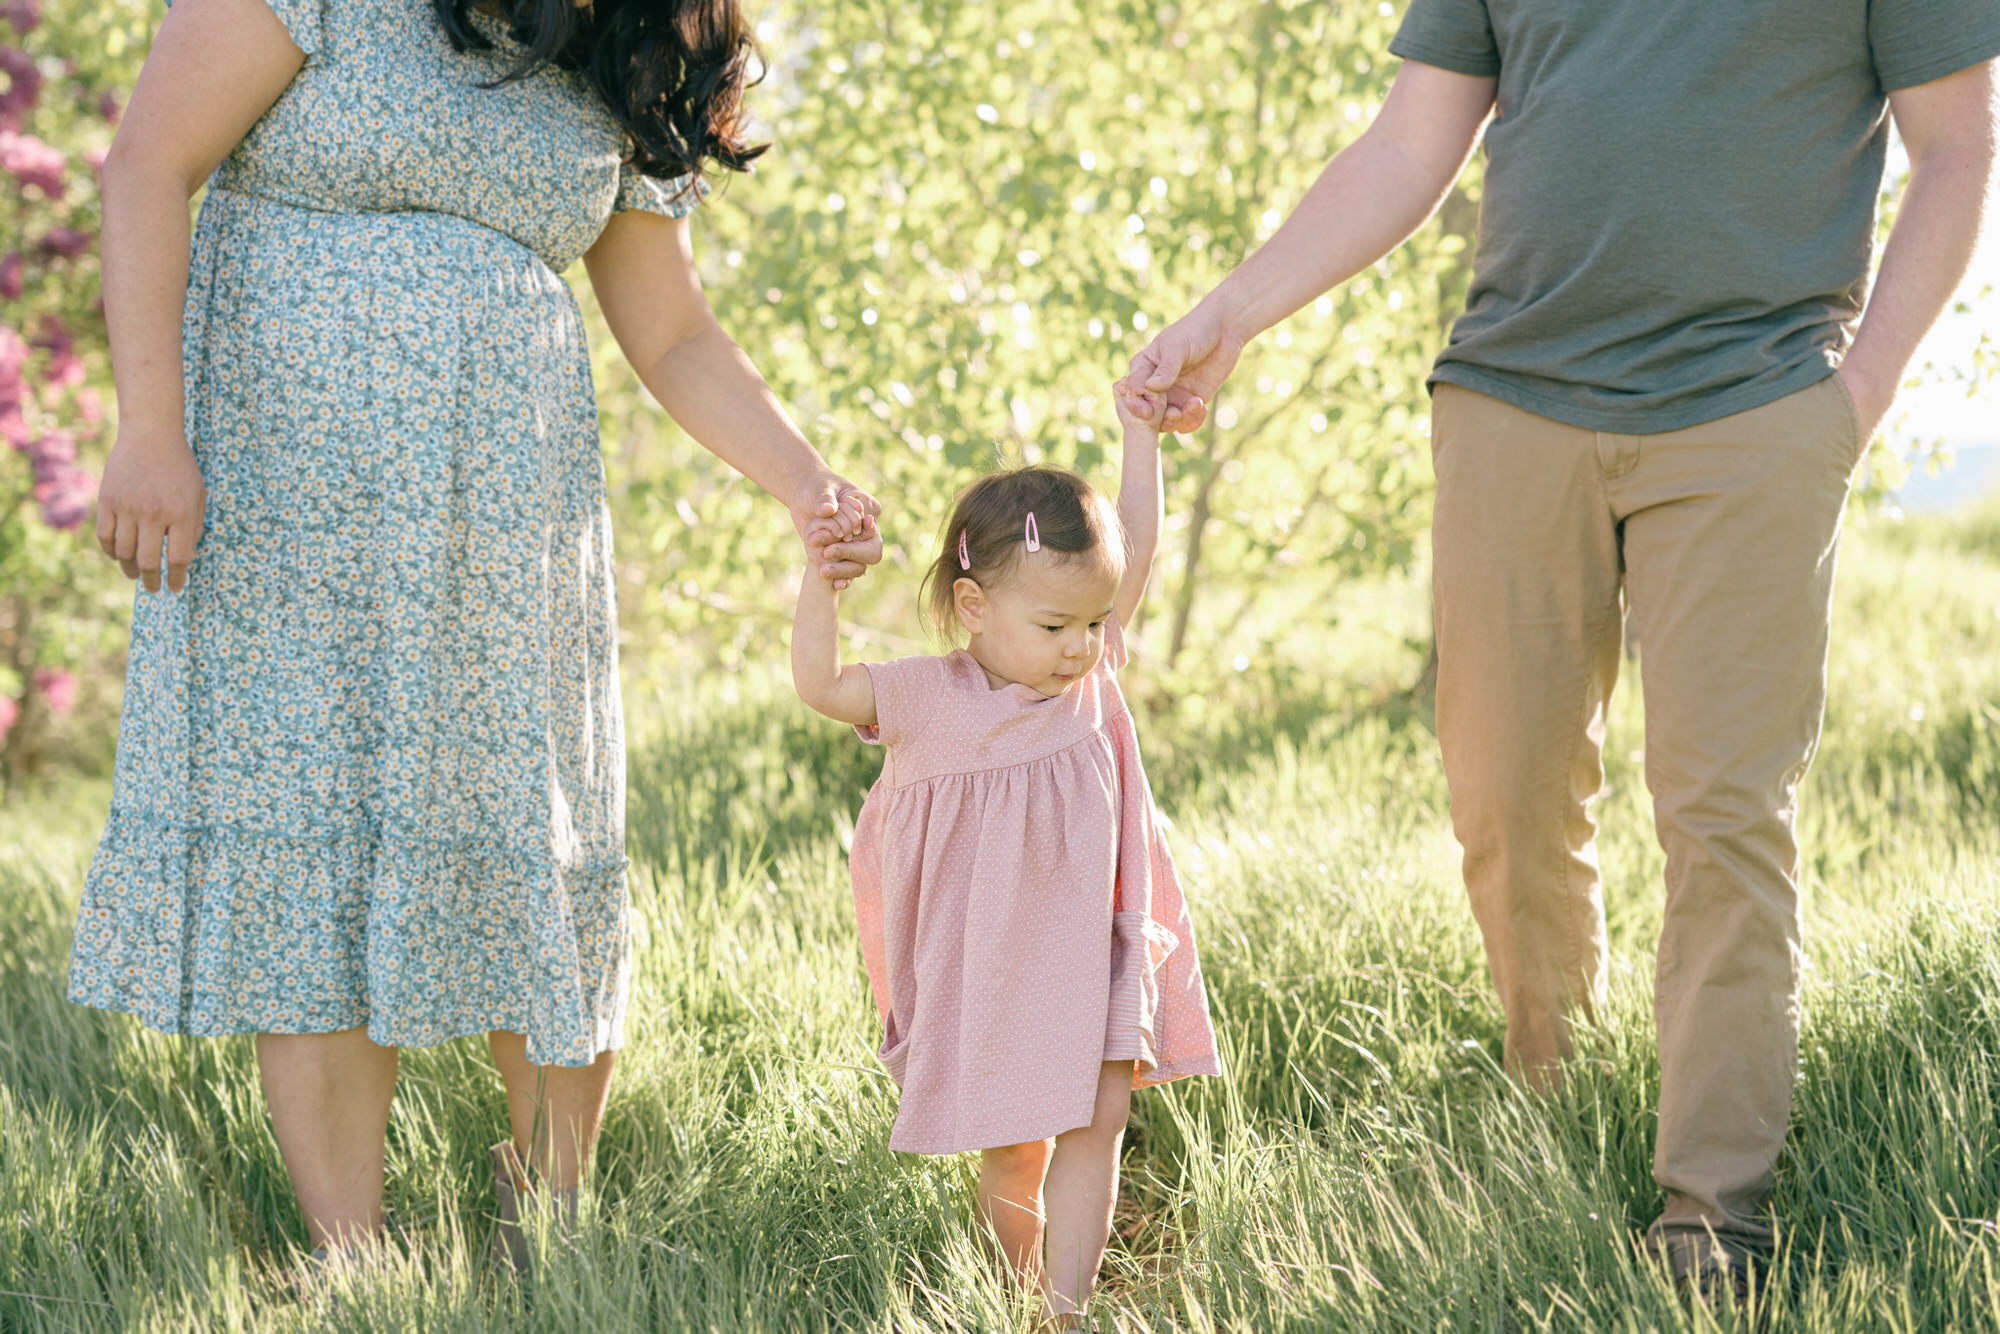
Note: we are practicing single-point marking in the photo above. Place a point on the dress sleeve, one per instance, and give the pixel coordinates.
(1916, 41)
(1452, 34)
(1115, 655)
(301, 20)
(674, 198)
(907, 692)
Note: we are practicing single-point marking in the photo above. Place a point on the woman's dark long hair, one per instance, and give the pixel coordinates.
(672, 71)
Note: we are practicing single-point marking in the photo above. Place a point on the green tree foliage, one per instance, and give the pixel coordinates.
(971, 218)
(65, 72)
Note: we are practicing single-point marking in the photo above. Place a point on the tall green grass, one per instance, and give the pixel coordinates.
(1364, 1166)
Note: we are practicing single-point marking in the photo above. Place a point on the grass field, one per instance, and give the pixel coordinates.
(1364, 1167)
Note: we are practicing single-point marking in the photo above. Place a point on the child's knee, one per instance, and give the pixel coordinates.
(1016, 1167)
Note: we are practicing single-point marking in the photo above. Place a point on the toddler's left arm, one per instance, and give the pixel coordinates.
(844, 694)
(1141, 505)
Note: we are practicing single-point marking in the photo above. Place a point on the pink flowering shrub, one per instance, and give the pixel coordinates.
(63, 78)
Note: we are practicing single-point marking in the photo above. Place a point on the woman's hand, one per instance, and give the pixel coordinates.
(152, 495)
(1179, 371)
(835, 520)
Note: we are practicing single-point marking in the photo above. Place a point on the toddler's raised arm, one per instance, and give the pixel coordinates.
(1141, 505)
(844, 694)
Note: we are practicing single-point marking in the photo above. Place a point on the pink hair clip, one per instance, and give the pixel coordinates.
(1034, 534)
(964, 552)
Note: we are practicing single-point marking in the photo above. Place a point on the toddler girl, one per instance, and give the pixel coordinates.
(1021, 920)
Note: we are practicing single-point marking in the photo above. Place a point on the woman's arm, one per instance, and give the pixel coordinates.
(642, 269)
(1141, 502)
(215, 68)
(844, 694)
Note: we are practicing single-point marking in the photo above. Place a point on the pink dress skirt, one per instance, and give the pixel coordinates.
(1020, 914)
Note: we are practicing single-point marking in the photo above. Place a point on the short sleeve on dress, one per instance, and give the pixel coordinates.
(1452, 34)
(907, 693)
(673, 198)
(301, 20)
(1916, 41)
(1115, 655)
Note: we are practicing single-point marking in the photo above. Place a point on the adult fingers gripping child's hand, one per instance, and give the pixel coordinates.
(1184, 366)
(845, 559)
(836, 521)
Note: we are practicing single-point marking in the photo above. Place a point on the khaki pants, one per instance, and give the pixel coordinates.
(1720, 539)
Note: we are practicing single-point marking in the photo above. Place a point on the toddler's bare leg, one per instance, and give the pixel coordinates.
(1010, 1202)
(1082, 1187)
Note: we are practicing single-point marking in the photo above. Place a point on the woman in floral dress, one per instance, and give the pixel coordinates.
(370, 768)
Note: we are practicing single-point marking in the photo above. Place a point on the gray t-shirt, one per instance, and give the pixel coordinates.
(1680, 195)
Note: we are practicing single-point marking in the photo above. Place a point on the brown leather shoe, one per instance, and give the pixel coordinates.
(1713, 1274)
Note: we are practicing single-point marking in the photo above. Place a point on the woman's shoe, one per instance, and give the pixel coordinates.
(510, 1188)
(514, 1189)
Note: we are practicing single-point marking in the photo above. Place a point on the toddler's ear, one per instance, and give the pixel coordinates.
(968, 599)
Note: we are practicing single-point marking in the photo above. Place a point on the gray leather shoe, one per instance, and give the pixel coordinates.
(510, 1187)
(514, 1191)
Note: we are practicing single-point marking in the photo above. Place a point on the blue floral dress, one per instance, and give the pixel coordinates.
(371, 762)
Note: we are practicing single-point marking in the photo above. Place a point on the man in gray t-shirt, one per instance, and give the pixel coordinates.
(1653, 404)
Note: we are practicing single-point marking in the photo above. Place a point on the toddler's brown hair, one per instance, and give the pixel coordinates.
(988, 529)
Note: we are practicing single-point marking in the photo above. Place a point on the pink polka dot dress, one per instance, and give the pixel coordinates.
(1020, 914)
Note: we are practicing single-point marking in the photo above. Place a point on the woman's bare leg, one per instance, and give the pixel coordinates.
(1010, 1202)
(1082, 1188)
(329, 1096)
(555, 1110)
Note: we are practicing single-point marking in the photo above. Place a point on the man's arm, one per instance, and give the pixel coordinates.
(1371, 197)
(1949, 128)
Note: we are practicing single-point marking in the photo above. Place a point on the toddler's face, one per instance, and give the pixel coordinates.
(1043, 625)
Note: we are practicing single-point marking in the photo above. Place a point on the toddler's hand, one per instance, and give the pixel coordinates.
(836, 522)
(840, 547)
(1141, 411)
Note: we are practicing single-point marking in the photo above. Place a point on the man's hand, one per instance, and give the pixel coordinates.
(1175, 376)
(1872, 400)
(1949, 130)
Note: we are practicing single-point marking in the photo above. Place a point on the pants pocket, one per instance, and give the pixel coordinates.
(1856, 446)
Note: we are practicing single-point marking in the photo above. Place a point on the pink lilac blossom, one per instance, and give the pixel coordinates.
(65, 368)
(24, 86)
(67, 505)
(15, 393)
(13, 355)
(10, 711)
(63, 490)
(22, 15)
(32, 162)
(89, 407)
(109, 107)
(58, 687)
(66, 241)
(10, 275)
